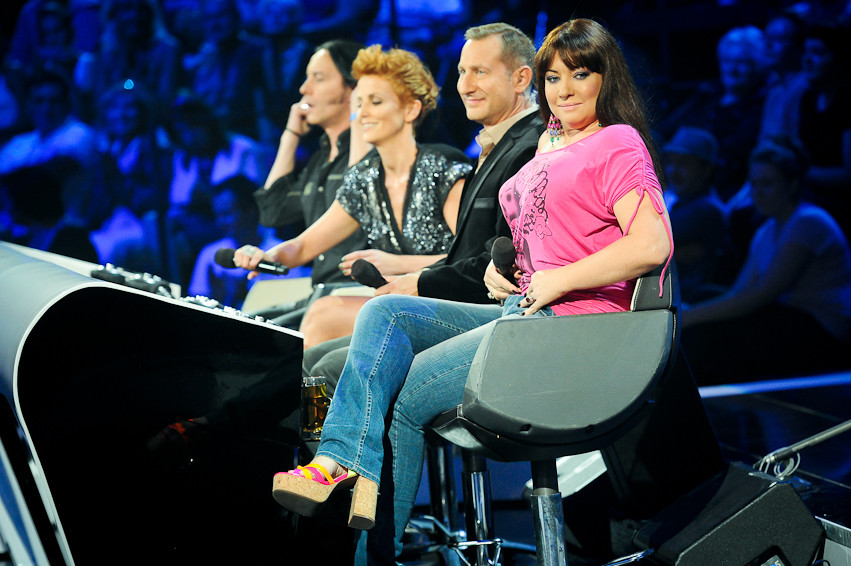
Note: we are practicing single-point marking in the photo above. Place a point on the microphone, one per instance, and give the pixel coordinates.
(503, 254)
(367, 274)
(224, 257)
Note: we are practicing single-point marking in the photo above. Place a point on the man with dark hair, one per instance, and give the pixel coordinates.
(495, 85)
(293, 196)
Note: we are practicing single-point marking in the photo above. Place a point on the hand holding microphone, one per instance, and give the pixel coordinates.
(367, 274)
(500, 278)
(225, 258)
(503, 255)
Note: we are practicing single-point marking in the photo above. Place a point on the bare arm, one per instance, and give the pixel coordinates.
(400, 264)
(389, 263)
(284, 162)
(452, 205)
(329, 230)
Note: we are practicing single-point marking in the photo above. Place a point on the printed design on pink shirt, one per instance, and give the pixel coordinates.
(534, 202)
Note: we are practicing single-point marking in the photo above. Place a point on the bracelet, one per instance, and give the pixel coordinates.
(293, 132)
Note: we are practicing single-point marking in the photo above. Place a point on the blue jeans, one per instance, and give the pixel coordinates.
(407, 363)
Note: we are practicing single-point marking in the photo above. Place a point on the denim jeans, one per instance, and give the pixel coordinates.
(407, 363)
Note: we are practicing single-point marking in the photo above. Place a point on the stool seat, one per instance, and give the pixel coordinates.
(544, 388)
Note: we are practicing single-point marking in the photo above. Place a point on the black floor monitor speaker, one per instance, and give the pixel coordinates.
(741, 518)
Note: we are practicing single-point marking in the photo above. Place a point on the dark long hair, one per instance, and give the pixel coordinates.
(587, 44)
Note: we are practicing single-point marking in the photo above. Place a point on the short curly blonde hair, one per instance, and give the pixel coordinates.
(409, 77)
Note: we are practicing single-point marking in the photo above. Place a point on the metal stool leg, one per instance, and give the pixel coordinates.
(443, 496)
(478, 515)
(477, 494)
(548, 514)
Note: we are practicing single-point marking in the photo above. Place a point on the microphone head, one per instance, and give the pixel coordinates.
(224, 257)
(367, 274)
(503, 252)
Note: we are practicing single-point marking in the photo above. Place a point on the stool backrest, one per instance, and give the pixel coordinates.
(646, 295)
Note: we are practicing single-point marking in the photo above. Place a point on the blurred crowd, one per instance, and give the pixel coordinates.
(121, 121)
(134, 131)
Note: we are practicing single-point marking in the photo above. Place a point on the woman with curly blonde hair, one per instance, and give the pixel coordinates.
(403, 195)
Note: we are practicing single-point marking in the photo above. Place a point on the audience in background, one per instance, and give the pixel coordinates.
(342, 19)
(184, 20)
(698, 217)
(11, 115)
(824, 124)
(133, 46)
(250, 16)
(38, 216)
(784, 42)
(55, 131)
(65, 142)
(44, 39)
(285, 55)
(730, 107)
(204, 154)
(136, 172)
(244, 57)
(126, 138)
(789, 311)
(227, 71)
(236, 218)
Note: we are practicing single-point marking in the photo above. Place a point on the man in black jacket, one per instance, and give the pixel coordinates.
(494, 82)
(495, 85)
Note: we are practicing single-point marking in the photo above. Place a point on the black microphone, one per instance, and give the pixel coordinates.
(224, 257)
(367, 274)
(503, 255)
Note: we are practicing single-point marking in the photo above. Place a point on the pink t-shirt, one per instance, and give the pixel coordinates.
(560, 207)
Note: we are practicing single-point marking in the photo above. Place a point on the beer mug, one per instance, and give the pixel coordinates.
(314, 407)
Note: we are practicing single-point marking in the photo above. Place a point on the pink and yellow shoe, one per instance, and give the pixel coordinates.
(306, 488)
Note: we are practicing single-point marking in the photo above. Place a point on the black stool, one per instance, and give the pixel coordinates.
(587, 381)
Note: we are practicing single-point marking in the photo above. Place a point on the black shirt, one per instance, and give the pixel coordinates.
(305, 196)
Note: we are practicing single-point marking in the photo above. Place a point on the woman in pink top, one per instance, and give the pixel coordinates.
(587, 218)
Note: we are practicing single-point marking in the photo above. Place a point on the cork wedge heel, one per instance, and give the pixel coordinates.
(306, 488)
(364, 500)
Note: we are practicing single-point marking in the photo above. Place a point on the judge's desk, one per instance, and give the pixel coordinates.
(139, 426)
